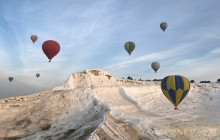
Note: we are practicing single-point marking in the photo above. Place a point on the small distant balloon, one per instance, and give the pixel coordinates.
(10, 79)
(155, 66)
(163, 26)
(175, 88)
(129, 47)
(51, 48)
(37, 75)
(34, 38)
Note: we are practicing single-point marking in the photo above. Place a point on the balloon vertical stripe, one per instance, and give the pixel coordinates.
(186, 83)
(172, 95)
(171, 83)
(164, 83)
(184, 95)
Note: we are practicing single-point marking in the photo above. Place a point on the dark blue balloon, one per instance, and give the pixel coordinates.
(10, 79)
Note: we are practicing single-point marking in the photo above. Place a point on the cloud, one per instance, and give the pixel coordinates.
(157, 56)
(215, 51)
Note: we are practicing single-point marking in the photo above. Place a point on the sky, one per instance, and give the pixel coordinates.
(92, 34)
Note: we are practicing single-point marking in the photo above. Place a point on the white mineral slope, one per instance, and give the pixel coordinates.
(94, 105)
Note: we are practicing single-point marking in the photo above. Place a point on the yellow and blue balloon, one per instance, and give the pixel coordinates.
(175, 88)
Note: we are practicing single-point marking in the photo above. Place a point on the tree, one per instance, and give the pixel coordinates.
(204, 81)
(192, 81)
(157, 79)
(218, 80)
(130, 78)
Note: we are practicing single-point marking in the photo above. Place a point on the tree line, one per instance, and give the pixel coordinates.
(191, 81)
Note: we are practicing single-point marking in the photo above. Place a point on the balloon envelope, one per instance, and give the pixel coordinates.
(155, 66)
(37, 75)
(129, 47)
(34, 38)
(10, 79)
(163, 26)
(51, 48)
(175, 88)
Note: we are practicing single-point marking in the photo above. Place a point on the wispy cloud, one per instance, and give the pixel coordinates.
(216, 51)
(177, 51)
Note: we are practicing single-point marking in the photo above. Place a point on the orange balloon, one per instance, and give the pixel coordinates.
(34, 38)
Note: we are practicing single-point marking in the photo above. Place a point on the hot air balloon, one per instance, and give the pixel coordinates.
(34, 38)
(129, 47)
(51, 48)
(37, 75)
(10, 79)
(175, 88)
(163, 26)
(155, 66)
